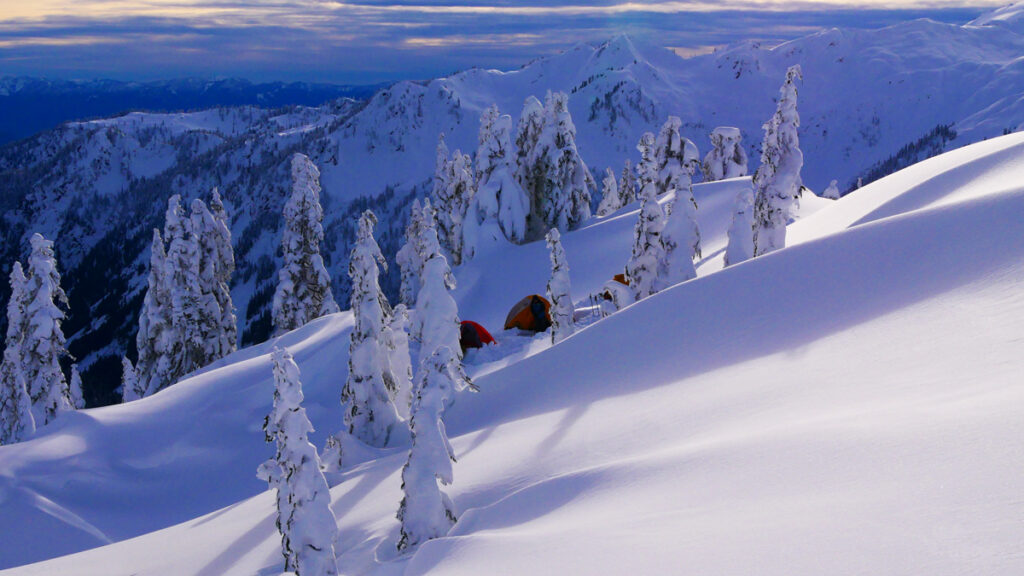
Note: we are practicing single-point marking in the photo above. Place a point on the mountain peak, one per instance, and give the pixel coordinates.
(1010, 16)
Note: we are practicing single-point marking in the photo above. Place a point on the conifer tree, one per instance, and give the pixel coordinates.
(677, 158)
(435, 322)
(610, 199)
(727, 159)
(304, 518)
(741, 231)
(396, 341)
(832, 192)
(370, 414)
(426, 512)
(528, 132)
(131, 389)
(16, 420)
(777, 181)
(43, 345)
(562, 322)
(156, 332)
(304, 286)
(500, 205)
(218, 265)
(564, 192)
(646, 269)
(76, 393)
(408, 257)
(452, 204)
(183, 287)
(628, 191)
(442, 168)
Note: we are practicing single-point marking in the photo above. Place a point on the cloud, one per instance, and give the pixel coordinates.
(367, 41)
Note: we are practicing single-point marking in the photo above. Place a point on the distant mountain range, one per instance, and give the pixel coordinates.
(31, 105)
(871, 101)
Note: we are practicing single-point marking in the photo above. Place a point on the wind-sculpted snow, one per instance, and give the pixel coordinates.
(846, 405)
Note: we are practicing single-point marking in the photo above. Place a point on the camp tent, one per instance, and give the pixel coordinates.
(473, 335)
(532, 313)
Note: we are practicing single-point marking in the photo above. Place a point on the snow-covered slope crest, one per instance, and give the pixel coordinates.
(847, 405)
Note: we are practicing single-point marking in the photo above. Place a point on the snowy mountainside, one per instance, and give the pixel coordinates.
(99, 187)
(846, 405)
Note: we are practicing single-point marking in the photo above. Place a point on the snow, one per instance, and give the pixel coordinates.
(850, 404)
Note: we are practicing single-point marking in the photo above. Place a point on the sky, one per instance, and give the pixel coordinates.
(371, 41)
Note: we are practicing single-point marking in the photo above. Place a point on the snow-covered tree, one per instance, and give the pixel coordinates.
(131, 389)
(832, 192)
(75, 391)
(777, 181)
(441, 168)
(396, 342)
(304, 286)
(647, 266)
(628, 191)
(610, 199)
(408, 257)
(44, 345)
(216, 265)
(370, 414)
(562, 322)
(727, 159)
(16, 420)
(500, 205)
(156, 332)
(435, 321)
(741, 231)
(187, 345)
(677, 159)
(304, 518)
(528, 132)
(426, 512)
(452, 204)
(564, 193)
(331, 459)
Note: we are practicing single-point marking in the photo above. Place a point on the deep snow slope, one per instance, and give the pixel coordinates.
(848, 405)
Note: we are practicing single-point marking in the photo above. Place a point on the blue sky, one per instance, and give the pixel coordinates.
(373, 41)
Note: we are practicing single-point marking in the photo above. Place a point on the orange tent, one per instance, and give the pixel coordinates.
(532, 313)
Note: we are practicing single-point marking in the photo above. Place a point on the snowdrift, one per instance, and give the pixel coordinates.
(848, 405)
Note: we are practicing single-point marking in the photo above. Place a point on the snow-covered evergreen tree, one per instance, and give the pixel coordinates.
(436, 318)
(832, 192)
(562, 321)
(727, 159)
(500, 205)
(16, 420)
(304, 286)
(304, 518)
(75, 391)
(408, 257)
(216, 265)
(331, 458)
(610, 199)
(442, 168)
(156, 332)
(396, 342)
(370, 414)
(741, 231)
(677, 158)
(452, 204)
(777, 181)
(528, 132)
(628, 191)
(564, 196)
(647, 266)
(426, 512)
(43, 346)
(131, 389)
(186, 351)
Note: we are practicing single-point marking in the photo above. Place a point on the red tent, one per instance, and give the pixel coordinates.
(473, 335)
